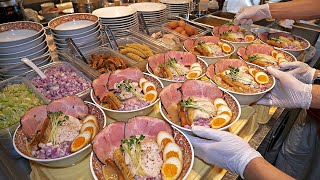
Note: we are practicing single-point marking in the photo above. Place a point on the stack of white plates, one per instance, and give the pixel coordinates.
(176, 7)
(84, 29)
(155, 14)
(22, 39)
(118, 19)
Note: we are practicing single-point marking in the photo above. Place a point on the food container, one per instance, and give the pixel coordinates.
(65, 161)
(226, 94)
(210, 59)
(163, 31)
(296, 53)
(100, 50)
(247, 99)
(167, 82)
(202, 30)
(6, 134)
(141, 40)
(125, 115)
(85, 74)
(179, 137)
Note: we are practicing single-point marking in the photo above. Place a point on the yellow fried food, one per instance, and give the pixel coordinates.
(144, 47)
(127, 50)
(121, 163)
(134, 57)
(138, 48)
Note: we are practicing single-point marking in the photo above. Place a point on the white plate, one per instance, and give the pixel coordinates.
(148, 6)
(114, 12)
(175, 1)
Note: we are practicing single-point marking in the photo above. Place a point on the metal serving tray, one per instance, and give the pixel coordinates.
(85, 95)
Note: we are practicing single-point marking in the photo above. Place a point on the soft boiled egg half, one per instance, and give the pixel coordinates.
(81, 141)
(220, 121)
(163, 138)
(148, 86)
(172, 150)
(171, 168)
(218, 102)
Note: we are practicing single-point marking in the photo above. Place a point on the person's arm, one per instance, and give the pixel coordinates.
(296, 9)
(315, 102)
(259, 168)
(231, 152)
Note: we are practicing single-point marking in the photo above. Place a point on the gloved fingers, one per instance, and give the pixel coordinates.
(209, 133)
(196, 141)
(245, 22)
(276, 73)
(239, 16)
(265, 101)
(290, 65)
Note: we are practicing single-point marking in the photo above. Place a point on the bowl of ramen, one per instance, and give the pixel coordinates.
(235, 35)
(176, 66)
(264, 55)
(198, 103)
(245, 81)
(209, 48)
(142, 148)
(59, 134)
(285, 41)
(126, 93)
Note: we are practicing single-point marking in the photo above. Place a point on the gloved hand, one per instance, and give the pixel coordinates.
(222, 148)
(302, 71)
(288, 92)
(252, 13)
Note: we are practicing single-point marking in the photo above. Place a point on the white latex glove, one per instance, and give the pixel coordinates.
(287, 23)
(288, 92)
(253, 13)
(222, 148)
(299, 70)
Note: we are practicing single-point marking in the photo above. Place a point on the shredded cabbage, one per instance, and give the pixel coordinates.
(15, 100)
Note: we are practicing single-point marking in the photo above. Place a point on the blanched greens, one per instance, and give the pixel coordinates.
(15, 100)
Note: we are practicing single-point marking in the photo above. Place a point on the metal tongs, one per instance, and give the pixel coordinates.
(142, 22)
(74, 48)
(109, 33)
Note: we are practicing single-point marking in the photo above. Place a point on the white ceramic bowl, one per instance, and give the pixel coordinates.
(148, 6)
(114, 12)
(25, 52)
(166, 82)
(20, 32)
(247, 99)
(26, 69)
(213, 60)
(93, 158)
(125, 115)
(79, 35)
(66, 161)
(73, 23)
(24, 46)
(86, 38)
(30, 56)
(189, 131)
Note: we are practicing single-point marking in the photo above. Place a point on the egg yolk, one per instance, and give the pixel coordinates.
(218, 122)
(172, 154)
(169, 170)
(263, 78)
(90, 129)
(78, 142)
(149, 97)
(149, 88)
(226, 112)
(253, 72)
(165, 141)
(226, 48)
(193, 75)
(218, 105)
